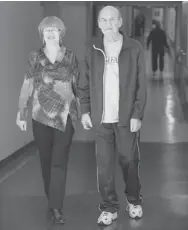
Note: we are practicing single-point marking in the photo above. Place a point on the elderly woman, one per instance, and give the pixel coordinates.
(51, 85)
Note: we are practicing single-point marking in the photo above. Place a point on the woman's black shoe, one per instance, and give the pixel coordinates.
(57, 216)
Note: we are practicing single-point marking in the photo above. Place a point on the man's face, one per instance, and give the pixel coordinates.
(109, 20)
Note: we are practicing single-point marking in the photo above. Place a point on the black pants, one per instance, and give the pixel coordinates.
(54, 146)
(155, 56)
(110, 139)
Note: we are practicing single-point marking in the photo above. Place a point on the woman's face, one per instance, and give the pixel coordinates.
(51, 35)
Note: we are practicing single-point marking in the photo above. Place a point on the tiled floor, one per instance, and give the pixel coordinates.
(164, 176)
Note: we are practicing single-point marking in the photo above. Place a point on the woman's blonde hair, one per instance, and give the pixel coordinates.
(52, 21)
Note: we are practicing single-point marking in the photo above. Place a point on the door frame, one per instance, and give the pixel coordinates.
(138, 3)
(179, 57)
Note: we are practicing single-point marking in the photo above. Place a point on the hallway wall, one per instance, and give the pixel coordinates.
(185, 27)
(18, 23)
(74, 16)
(126, 13)
(147, 12)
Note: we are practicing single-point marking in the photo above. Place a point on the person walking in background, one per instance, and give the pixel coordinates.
(112, 99)
(139, 25)
(158, 40)
(51, 85)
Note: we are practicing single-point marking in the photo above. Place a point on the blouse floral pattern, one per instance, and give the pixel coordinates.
(52, 89)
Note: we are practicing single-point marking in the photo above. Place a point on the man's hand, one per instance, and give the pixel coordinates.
(86, 121)
(135, 125)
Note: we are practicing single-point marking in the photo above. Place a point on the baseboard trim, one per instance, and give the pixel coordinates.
(14, 156)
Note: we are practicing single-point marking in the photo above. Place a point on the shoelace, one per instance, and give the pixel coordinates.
(57, 213)
(136, 206)
(105, 214)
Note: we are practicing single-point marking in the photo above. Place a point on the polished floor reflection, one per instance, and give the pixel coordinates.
(163, 173)
(164, 180)
(164, 119)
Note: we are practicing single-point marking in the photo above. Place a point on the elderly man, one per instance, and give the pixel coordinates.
(113, 97)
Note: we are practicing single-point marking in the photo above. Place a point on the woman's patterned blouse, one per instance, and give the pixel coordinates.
(51, 88)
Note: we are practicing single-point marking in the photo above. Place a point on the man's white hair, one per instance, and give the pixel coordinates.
(111, 7)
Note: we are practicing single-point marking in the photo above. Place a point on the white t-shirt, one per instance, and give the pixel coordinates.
(111, 82)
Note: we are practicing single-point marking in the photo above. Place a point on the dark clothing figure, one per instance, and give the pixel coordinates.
(111, 136)
(157, 38)
(54, 147)
(139, 25)
(155, 56)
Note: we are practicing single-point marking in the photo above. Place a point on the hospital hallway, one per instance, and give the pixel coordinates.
(163, 173)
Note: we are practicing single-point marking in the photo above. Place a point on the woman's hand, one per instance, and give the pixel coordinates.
(21, 124)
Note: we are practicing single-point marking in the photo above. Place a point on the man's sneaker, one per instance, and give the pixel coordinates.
(135, 211)
(106, 218)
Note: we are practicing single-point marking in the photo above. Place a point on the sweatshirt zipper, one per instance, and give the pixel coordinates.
(103, 79)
